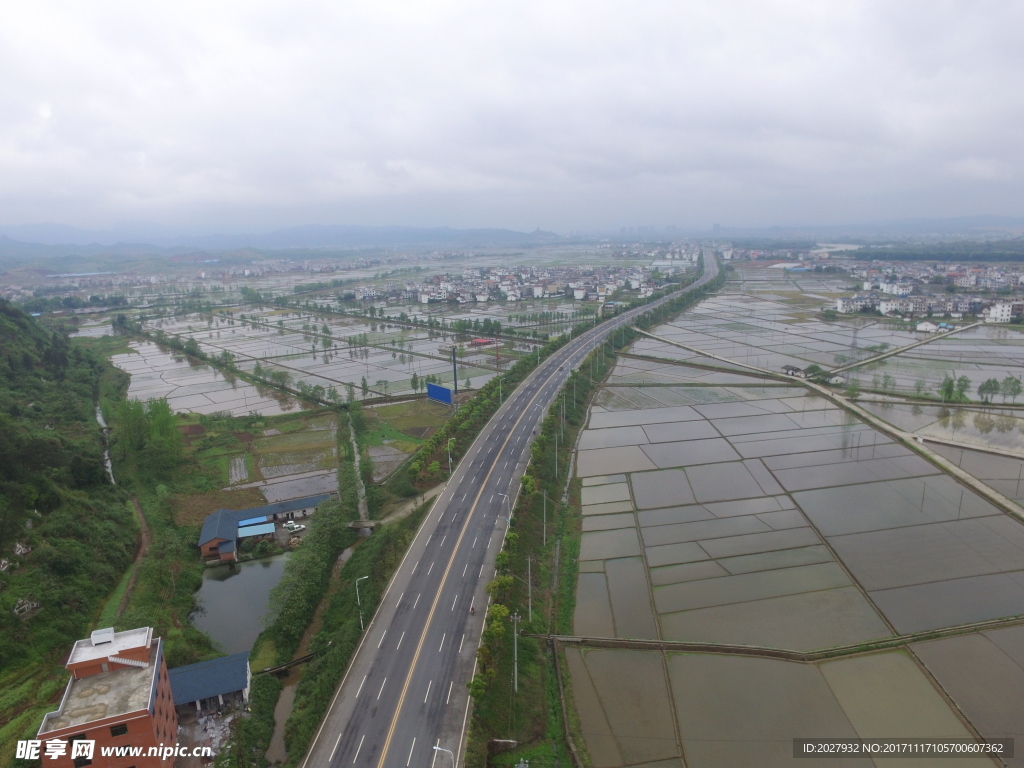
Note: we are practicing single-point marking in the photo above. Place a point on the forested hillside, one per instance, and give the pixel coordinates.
(66, 535)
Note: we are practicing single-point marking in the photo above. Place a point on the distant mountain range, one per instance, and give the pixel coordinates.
(134, 238)
(923, 230)
(36, 241)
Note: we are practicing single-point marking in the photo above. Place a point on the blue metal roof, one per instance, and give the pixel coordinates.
(223, 524)
(252, 521)
(209, 678)
(256, 530)
(226, 546)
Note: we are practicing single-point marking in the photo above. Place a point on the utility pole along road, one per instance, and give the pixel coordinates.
(405, 689)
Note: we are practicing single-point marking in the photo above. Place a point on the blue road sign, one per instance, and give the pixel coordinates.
(441, 394)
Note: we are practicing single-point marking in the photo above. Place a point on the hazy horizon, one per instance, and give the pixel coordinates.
(232, 119)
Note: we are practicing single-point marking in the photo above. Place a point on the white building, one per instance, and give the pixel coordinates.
(895, 289)
(851, 304)
(999, 313)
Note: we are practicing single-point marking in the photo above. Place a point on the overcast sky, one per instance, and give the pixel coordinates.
(229, 116)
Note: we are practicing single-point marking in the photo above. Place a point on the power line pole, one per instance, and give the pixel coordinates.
(515, 650)
(529, 587)
(455, 372)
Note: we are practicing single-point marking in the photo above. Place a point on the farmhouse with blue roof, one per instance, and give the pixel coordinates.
(211, 684)
(224, 529)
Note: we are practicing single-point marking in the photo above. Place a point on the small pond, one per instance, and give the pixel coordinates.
(233, 600)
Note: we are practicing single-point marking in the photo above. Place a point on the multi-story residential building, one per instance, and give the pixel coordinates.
(851, 304)
(1001, 312)
(119, 695)
(896, 289)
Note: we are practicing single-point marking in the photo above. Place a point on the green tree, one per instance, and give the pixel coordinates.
(477, 686)
(132, 426)
(963, 387)
(500, 587)
(415, 383)
(364, 387)
(888, 383)
(853, 388)
(919, 387)
(497, 616)
(814, 371)
(165, 441)
(1012, 388)
(988, 388)
(947, 389)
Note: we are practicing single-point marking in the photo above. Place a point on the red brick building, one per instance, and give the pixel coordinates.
(119, 696)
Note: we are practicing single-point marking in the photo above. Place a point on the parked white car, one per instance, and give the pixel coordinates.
(294, 527)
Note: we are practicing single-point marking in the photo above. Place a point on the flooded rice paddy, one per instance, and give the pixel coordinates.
(768, 333)
(722, 508)
(192, 388)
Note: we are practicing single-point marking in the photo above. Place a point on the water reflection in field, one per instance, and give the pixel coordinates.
(759, 515)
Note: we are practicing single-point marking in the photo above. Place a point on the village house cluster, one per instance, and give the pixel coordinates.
(582, 283)
(941, 290)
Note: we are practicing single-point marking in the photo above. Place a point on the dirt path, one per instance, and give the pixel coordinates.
(413, 504)
(144, 541)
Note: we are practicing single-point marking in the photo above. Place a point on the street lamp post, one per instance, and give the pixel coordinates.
(450, 753)
(359, 603)
(450, 441)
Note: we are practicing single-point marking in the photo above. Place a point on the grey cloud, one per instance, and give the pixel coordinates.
(559, 115)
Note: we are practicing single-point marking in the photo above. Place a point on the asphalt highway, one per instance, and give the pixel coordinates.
(405, 690)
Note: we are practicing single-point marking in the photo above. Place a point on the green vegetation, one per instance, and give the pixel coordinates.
(954, 390)
(1011, 388)
(295, 598)
(988, 388)
(66, 535)
(995, 250)
(253, 733)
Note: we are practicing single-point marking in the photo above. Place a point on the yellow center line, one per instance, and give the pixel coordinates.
(444, 579)
(462, 533)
